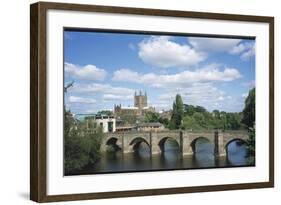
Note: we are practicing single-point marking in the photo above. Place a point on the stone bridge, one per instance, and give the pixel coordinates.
(130, 141)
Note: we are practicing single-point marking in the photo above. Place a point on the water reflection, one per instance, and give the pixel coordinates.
(171, 158)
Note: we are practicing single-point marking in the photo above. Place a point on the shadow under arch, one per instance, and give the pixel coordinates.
(195, 141)
(237, 155)
(137, 142)
(113, 143)
(162, 142)
(238, 141)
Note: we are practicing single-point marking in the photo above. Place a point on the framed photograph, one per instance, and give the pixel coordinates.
(134, 102)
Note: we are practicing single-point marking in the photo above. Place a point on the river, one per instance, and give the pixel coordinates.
(171, 159)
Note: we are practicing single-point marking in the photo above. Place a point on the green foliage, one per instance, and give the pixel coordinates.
(249, 120)
(128, 118)
(105, 112)
(250, 109)
(198, 118)
(164, 121)
(251, 146)
(151, 117)
(177, 113)
(189, 123)
(200, 109)
(189, 110)
(81, 145)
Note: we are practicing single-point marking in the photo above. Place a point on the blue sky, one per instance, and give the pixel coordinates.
(107, 68)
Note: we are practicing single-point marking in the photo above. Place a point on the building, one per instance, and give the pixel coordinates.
(108, 123)
(139, 109)
(140, 101)
(150, 126)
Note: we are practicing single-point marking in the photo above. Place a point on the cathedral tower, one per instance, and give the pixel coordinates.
(140, 100)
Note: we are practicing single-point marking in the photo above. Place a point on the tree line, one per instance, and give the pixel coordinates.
(192, 117)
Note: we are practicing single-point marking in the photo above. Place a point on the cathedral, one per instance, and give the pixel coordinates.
(139, 109)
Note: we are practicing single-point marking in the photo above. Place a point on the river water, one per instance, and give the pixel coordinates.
(171, 159)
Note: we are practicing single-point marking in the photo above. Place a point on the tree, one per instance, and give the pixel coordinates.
(189, 123)
(177, 113)
(251, 146)
(105, 112)
(189, 110)
(200, 109)
(151, 117)
(164, 121)
(128, 118)
(200, 119)
(216, 114)
(250, 109)
(81, 146)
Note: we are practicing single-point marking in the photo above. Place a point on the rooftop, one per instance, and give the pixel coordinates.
(150, 124)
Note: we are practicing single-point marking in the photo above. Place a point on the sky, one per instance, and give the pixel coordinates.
(107, 69)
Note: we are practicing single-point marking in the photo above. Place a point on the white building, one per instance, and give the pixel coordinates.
(108, 123)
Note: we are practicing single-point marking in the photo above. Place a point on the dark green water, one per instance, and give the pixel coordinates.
(171, 159)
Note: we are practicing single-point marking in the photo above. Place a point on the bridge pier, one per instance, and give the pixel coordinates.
(185, 147)
(154, 146)
(126, 144)
(219, 149)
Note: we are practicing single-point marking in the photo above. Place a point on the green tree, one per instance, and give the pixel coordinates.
(216, 114)
(164, 121)
(128, 118)
(251, 146)
(189, 123)
(81, 145)
(200, 119)
(250, 109)
(200, 109)
(105, 112)
(189, 110)
(151, 117)
(177, 113)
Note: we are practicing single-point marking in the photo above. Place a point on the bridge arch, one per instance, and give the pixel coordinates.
(195, 140)
(136, 142)
(113, 142)
(163, 140)
(235, 139)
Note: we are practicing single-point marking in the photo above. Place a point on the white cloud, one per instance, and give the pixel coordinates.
(88, 72)
(238, 49)
(164, 53)
(245, 50)
(131, 46)
(94, 88)
(249, 53)
(213, 44)
(249, 84)
(110, 97)
(203, 94)
(76, 99)
(209, 74)
(244, 95)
